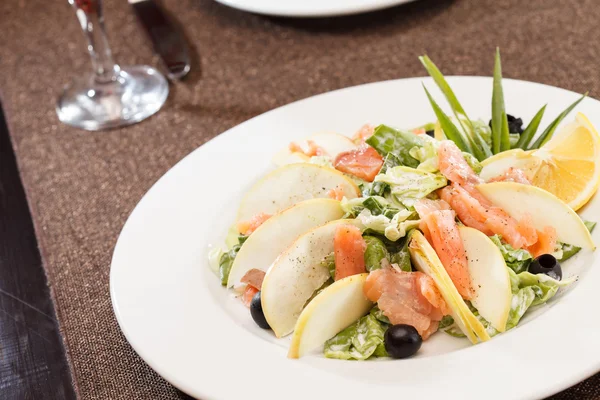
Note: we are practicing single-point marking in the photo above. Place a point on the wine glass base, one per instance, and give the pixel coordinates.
(135, 94)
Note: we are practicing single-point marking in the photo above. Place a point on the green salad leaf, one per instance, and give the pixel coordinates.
(225, 263)
(516, 260)
(359, 341)
(392, 228)
(378, 314)
(544, 287)
(401, 256)
(427, 155)
(569, 250)
(375, 253)
(389, 140)
(409, 184)
(329, 263)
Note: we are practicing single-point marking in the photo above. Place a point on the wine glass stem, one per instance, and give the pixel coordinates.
(91, 18)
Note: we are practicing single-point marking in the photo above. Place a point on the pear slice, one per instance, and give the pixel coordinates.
(544, 208)
(291, 184)
(285, 157)
(295, 275)
(332, 143)
(426, 260)
(279, 232)
(331, 311)
(490, 278)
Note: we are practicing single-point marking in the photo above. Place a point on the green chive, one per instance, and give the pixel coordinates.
(547, 134)
(531, 129)
(481, 150)
(450, 130)
(500, 134)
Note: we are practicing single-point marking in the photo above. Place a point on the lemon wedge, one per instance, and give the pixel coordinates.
(567, 166)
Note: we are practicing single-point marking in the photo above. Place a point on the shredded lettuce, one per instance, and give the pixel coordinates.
(375, 253)
(225, 263)
(389, 140)
(377, 313)
(528, 290)
(409, 184)
(359, 341)
(392, 228)
(544, 287)
(427, 155)
(568, 250)
(329, 263)
(375, 204)
(473, 162)
(517, 260)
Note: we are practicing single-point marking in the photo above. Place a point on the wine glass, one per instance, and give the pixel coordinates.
(111, 96)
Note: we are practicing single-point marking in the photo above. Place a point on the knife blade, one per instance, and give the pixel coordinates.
(166, 38)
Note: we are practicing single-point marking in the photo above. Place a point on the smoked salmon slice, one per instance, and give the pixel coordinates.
(512, 175)
(407, 298)
(254, 278)
(349, 251)
(446, 241)
(247, 227)
(364, 163)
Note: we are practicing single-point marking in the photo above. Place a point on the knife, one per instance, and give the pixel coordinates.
(167, 39)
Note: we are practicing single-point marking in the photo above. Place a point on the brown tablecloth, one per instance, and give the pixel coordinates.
(81, 186)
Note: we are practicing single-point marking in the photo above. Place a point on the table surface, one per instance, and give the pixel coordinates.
(80, 187)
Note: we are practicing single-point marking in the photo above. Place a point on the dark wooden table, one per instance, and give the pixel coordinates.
(32, 359)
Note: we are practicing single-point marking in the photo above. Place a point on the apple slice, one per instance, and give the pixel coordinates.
(292, 184)
(278, 232)
(331, 311)
(426, 260)
(489, 275)
(332, 143)
(295, 275)
(544, 208)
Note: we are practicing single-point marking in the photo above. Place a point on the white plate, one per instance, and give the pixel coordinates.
(311, 8)
(176, 315)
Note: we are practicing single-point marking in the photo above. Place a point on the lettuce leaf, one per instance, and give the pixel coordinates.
(528, 290)
(544, 287)
(377, 205)
(389, 140)
(375, 252)
(392, 228)
(329, 263)
(427, 155)
(409, 184)
(378, 314)
(516, 260)
(225, 263)
(568, 250)
(359, 341)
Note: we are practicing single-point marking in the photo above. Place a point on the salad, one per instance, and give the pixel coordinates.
(367, 246)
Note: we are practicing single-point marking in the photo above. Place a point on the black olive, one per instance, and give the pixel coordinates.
(515, 125)
(430, 133)
(402, 341)
(257, 312)
(546, 264)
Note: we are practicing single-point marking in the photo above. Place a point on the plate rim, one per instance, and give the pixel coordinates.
(317, 13)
